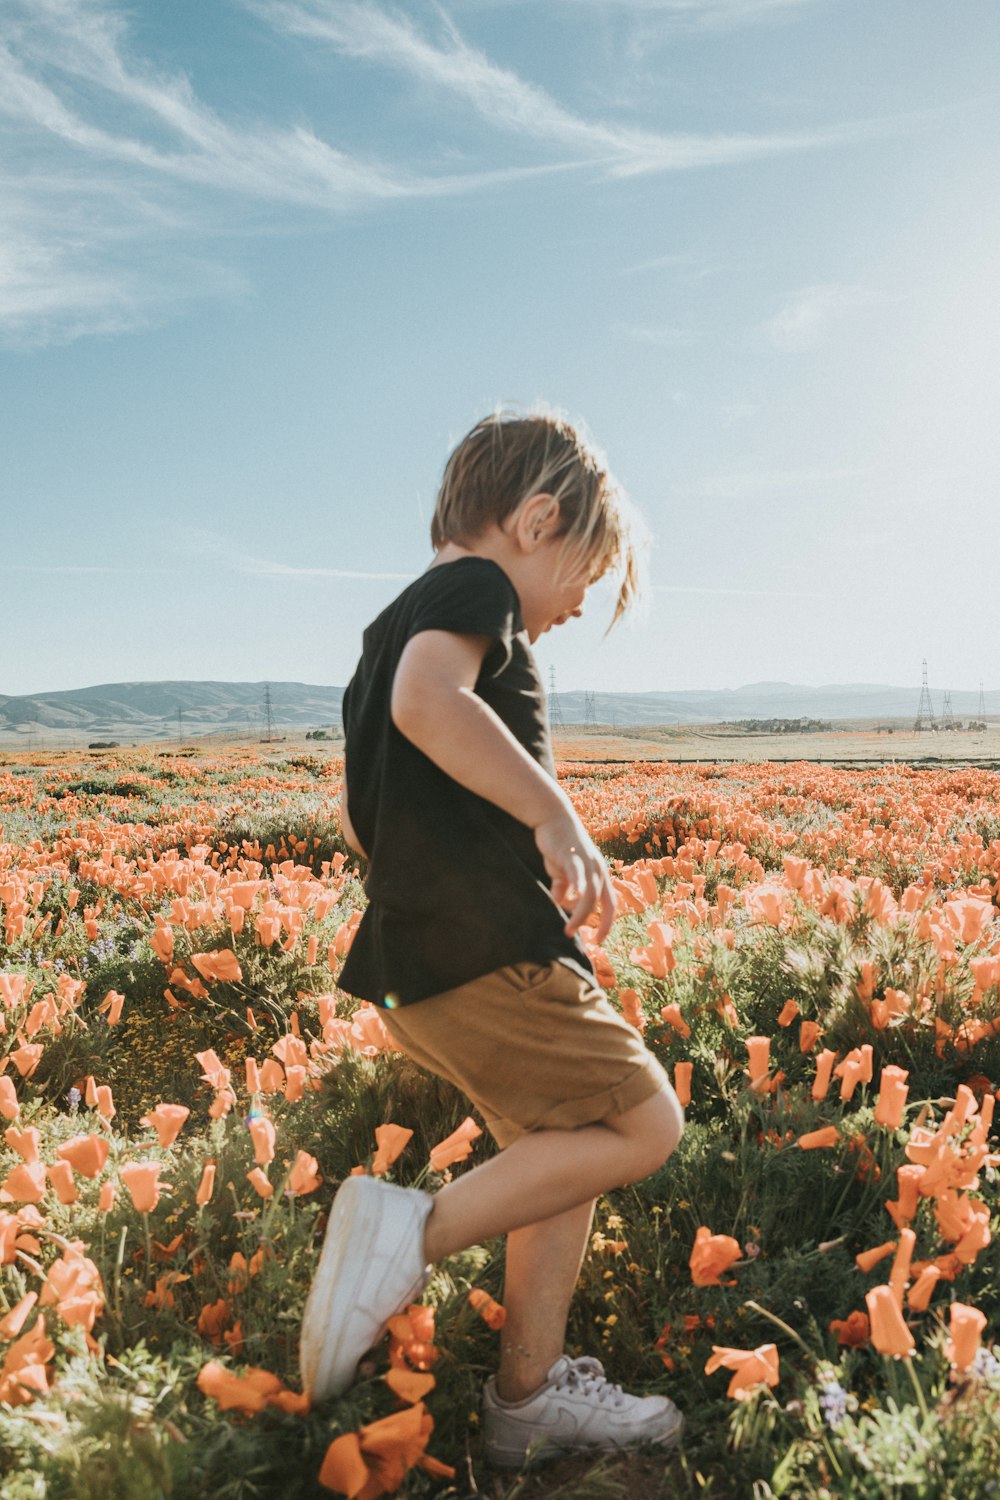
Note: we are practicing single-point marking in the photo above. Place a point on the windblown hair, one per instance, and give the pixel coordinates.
(508, 457)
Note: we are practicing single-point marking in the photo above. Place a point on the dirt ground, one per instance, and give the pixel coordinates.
(855, 743)
(849, 743)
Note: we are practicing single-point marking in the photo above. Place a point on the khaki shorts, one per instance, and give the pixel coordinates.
(533, 1046)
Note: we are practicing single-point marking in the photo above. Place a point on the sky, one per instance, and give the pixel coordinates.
(263, 262)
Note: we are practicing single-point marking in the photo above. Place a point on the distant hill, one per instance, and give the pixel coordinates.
(149, 710)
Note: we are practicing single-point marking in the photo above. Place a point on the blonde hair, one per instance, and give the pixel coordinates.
(507, 458)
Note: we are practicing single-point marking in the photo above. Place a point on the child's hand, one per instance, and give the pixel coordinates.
(579, 875)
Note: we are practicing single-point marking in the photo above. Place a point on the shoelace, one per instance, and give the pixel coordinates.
(586, 1375)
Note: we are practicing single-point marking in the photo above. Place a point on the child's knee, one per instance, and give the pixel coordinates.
(654, 1129)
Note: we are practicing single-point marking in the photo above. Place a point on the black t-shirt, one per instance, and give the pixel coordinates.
(456, 887)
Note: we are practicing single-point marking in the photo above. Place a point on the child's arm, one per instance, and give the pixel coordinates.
(434, 704)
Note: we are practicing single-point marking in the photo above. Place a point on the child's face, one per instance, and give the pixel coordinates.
(555, 594)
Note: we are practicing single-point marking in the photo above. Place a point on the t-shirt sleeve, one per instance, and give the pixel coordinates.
(471, 597)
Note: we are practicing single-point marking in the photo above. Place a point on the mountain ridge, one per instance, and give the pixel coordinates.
(164, 708)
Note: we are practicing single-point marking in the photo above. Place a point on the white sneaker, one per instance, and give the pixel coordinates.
(371, 1266)
(576, 1408)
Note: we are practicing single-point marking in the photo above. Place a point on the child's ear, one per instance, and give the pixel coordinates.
(537, 520)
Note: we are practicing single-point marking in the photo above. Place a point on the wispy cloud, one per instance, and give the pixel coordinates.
(752, 484)
(701, 15)
(670, 588)
(197, 542)
(660, 337)
(500, 96)
(113, 171)
(810, 314)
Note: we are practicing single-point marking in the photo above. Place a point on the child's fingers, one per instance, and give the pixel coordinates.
(591, 891)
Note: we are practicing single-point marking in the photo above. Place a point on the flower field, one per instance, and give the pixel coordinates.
(813, 953)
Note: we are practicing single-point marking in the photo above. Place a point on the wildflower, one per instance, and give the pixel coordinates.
(751, 1368)
(492, 1313)
(142, 1181)
(711, 1255)
(304, 1176)
(166, 1120)
(890, 1334)
(391, 1140)
(965, 1326)
(455, 1147)
(853, 1331)
(832, 1402)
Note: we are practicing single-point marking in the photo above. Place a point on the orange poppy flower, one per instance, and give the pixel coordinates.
(827, 1135)
(11, 1325)
(112, 1003)
(867, 1259)
(965, 1326)
(26, 1058)
(218, 964)
(853, 1331)
(60, 1175)
(671, 1016)
(25, 1142)
(809, 1034)
(24, 1184)
(711, 1255)
(632, 1008)
(759, 1049)
(260, 1182)
(824, 1066)
(142, 1181)
(343, 1468)
(492, 1313)
(263, 1135)
(247, 1393)
(166, 1120)
(304, 1176)
(919, 1296)
(890, 1334)
(207, 1184)
(455, 1147)
(892, 1093)
(899, 1276)
(86, 1154)
(682, 1082)
(751, 1368)
(9, 1106)
(789, 1011)
(24, 1374)
(390, 1141)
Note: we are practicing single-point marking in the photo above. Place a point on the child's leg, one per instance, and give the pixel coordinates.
(542, 1265)
(546, 1172)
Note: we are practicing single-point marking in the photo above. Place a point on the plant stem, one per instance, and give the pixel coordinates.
(779, 1323)
(918, 1388)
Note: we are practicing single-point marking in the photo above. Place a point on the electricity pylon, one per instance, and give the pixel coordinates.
(555, 708)
(925, 711)
(590, 710)
(268, 715)
(947, 717)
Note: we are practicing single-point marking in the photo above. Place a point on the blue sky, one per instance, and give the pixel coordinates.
(263, 261)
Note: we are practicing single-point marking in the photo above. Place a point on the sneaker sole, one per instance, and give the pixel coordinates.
(328, 1366)
(510, 1458)
(328, 1362)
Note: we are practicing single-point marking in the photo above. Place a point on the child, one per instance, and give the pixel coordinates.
(476, 856)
